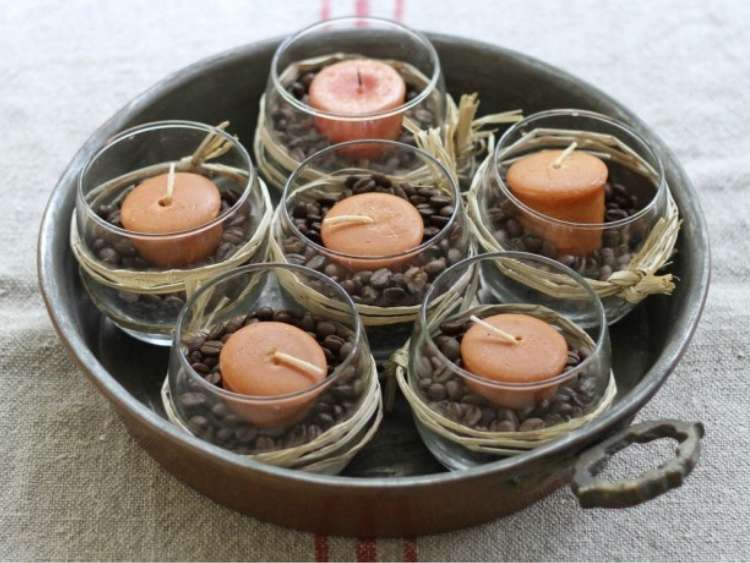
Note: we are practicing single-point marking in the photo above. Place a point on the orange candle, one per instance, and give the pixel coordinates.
(267, 359)
(358, 87)
(372, 225)
(534, 352)
(566, 185)
(154, 207)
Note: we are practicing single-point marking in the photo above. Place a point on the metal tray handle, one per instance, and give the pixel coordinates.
(594, 492)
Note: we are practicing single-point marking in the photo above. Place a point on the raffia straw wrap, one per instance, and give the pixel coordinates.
(331, 451)
(463, 135)
(499, 443)
(634, 283)
(176, 279)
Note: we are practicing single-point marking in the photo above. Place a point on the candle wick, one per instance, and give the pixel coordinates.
(565, 154)
(297, 362)
(359, 80)
(167, 199)
(507, 337)
(349, 219)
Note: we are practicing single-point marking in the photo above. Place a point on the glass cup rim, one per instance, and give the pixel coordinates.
(155, 126)
(457, 205)
(250, 268)
(475, 261)
(661, 184)
(305, 108)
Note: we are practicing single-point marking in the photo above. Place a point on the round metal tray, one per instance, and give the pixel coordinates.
(394, 486)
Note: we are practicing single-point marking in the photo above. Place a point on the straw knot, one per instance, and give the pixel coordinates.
(638, 284)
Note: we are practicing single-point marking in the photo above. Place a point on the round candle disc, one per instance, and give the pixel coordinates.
(535, 177)
(248, 366)
(572, 192)
(195, 201)
(540, 353)
(396, 228)
(358, 87)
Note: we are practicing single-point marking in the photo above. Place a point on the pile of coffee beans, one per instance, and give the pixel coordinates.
(384, 287)
(445, 392)
(118, 251)
(296, 130)
(618, 244)
(208, 417)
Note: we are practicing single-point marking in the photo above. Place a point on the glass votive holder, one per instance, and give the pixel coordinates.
(342, 80)
(383, 237)
(231, 380)
(489, 376)
(159, 209)
(597, 232)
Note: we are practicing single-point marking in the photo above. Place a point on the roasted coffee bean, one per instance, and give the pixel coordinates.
(454, 389)
(333, 342)
(472, 416)
(437, 392)
(198, 423)
(531, 424)
(192, 400)
(394, 295)
(380, 278)
(435, 267)
(325, 328)
(532, 243)
(109, 256)
(234, 235)
(212, 348)
(345, 350)
(449, 347)
(201, 367)
(503, 426)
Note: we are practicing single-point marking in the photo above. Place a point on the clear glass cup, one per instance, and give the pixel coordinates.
(395, 280)
(436, 363)
(635, 199)
(252, 424)
(150, 313)
(302, 129)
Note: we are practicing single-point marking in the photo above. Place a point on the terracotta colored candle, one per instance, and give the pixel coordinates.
(353, 88)
(267, 359)
(524, 350)
(567, 185)
(372, 225)
(152, 207)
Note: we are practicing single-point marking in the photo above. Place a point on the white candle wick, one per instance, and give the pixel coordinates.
(167, 199)
(359, 80)
(509, 338)
(349, 220)
(297, 362)
(565, 154)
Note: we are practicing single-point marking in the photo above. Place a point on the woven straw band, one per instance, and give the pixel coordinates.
(463, 137)
(331, 451)
(498, 443)
(634, 283)
(176, 279)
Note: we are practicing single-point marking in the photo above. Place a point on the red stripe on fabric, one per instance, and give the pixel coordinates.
(398, 10)
(362, 8)
(410, 550)
(322, 552)
(366, 550)
(325, 9)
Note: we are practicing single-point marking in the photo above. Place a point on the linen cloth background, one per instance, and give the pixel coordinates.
(74, 485)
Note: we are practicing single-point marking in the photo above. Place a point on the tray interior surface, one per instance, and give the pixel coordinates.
(229, 87)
